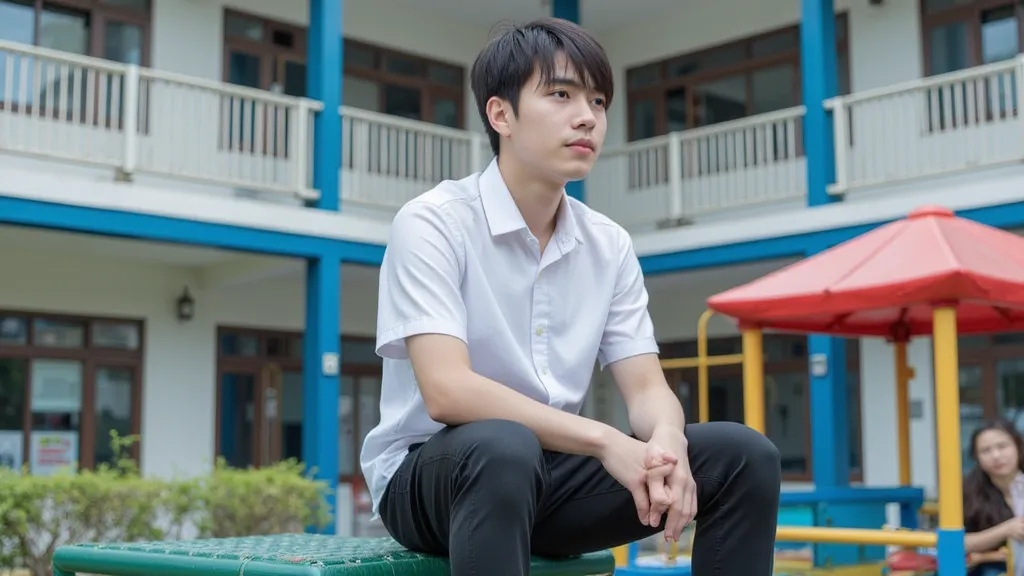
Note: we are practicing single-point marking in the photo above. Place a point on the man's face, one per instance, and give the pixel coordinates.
(560, 126)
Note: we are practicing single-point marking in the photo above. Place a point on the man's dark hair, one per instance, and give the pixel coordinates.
(509, 60)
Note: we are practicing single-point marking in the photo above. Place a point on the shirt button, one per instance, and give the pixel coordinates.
(544, 370)
(540, 329)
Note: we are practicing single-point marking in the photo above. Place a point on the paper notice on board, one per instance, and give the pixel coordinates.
(53, 452)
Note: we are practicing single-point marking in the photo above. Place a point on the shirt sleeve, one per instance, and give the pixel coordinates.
(628, 330)
(419, 290)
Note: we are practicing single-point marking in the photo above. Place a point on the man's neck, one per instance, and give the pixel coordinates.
(537, 200)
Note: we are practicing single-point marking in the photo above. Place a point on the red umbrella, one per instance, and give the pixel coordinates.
(886, 282)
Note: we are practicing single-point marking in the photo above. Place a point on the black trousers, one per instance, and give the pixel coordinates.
(486, 495)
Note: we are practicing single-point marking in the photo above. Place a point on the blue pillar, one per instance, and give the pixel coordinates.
(323, 83)
(570, 10)
(818, 74)
(321, 362)
(830, 436)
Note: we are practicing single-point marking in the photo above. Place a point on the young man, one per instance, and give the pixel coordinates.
(498, 293)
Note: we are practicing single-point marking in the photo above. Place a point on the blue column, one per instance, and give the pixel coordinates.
(323, 83)
(321, 362)
(570, 10)
(818, 74)
(830, 436)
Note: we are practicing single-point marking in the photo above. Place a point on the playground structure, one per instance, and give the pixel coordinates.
(930, 274)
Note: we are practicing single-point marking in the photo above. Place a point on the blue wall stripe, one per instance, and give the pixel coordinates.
(796, 245)
(180, 231)
(52, 215)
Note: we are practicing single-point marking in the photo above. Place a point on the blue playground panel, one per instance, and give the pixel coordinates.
(851, 507)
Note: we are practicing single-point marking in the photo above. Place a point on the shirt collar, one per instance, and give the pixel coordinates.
(503, 216)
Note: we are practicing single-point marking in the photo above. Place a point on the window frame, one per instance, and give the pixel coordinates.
(429, 91)
(100, 15)
(92, 358)
(971, 15)
(658, 91)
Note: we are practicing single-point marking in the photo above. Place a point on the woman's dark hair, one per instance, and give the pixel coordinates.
(509, 60)
(984, 503)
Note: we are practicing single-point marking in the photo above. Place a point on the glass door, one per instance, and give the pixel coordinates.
(270, 389)
(237, 417)
(972, 406)
(257, 420)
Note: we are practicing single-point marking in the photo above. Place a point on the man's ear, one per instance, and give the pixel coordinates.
(499, 115)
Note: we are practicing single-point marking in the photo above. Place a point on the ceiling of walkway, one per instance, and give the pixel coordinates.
(597, 15)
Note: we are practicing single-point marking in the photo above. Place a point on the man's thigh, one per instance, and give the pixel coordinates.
(492, 467)
(584, 509)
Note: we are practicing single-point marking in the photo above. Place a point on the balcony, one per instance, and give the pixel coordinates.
(58, 106)
(712, 171)
(939, 126)
(215, 137)
(144, 125)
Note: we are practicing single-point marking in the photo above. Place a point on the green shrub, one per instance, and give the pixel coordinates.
(117, 504)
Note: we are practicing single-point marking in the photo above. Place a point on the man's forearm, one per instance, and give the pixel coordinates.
(655, 406)
(472, 397)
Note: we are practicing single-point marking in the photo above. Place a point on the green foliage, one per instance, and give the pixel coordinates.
(117, 504)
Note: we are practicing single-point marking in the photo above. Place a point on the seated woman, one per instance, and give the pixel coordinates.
(989, 520)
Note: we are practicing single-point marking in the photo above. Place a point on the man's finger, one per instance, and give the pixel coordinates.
(660, 498)
(660, 472)
(657, 456)
(643, 505)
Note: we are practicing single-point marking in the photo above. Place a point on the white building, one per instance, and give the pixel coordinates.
(153, 148)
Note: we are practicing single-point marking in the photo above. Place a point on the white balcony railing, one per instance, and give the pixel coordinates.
(684, 175)
(61, 106)
(929, 127)
(387, 160)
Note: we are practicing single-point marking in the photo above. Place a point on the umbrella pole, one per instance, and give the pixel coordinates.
(947, 421)
(753, 379)
(903, 375)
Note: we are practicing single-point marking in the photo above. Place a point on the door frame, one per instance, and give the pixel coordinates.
(266, 374)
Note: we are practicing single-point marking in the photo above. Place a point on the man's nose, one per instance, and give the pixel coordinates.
(585, 117)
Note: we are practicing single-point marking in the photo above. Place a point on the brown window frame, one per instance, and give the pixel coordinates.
(658, 91)
(969, 13)
(687, 348)
(99, 15)
(92, 358)
(268, 53)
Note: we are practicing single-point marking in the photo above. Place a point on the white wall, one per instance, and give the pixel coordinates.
(179, 359)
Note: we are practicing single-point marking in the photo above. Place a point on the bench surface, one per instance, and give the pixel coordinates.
(283, 555)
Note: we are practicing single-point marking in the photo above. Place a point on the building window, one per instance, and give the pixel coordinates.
(67, 383)
(743, 78)
(113, 29)
(991, 383)
(959, 34)
(269, 55)
(787, 395)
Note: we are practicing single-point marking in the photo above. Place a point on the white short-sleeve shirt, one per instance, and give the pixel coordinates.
(461, 261)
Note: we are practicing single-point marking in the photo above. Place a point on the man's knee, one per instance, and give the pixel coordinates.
(749, 451)
(501, 448)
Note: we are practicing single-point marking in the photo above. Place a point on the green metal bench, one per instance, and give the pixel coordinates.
(283, 555)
